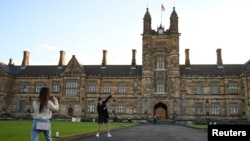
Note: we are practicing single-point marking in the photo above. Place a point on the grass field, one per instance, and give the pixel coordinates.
(19, 130)
(198, 126)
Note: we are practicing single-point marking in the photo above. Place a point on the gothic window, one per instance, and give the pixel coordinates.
(182, 85)
(135, 85)
(92, 87)
(198, 109)
(71, 88)
(122, 88)
(234, 109)
(23, 88)
(215, 109)
(109, 107)
(160, 88)
(215, 89)
(160, 46)
(160, 74)
(198, 89)
(233, 89)
(21, 106)
(160, 63)
(91, 107)
(38, 87)
(121, 109)
(56, 88)
(106, 88)
(136, 109)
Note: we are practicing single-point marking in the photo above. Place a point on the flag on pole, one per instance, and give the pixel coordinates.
(162, 7)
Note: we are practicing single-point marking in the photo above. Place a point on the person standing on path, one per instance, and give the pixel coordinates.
(154, 118)
(103, 115)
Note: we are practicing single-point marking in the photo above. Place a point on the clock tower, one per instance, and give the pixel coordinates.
(160, 68)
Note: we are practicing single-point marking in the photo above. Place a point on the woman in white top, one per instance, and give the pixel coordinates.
(43, 108)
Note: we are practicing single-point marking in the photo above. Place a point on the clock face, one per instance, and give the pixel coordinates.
(160, 31)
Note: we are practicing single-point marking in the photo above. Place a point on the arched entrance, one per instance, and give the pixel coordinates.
(160, 110)
(70, 110)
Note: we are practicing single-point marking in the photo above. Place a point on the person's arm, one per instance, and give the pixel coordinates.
(54, 106)
(107, 99)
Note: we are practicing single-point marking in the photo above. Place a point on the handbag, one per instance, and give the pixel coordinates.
(42, 126)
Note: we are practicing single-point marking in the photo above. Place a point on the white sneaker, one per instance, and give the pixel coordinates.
(109, 135)
(97, 135)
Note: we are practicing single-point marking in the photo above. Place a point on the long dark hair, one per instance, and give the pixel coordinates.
(43, 98)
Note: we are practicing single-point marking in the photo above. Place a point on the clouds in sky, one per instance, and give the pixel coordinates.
(86, 28)
(223, 26)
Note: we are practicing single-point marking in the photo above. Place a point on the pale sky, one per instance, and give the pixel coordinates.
(85, 28)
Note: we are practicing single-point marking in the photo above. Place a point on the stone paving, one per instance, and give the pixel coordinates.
(149, 132)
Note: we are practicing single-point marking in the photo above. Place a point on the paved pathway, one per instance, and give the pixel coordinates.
(150, 132)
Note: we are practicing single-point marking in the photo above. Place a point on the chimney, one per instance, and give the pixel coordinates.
(133, 58)
(62, 59)
(10, 62)
(187, 61)
(219, 59)
(26, 56)
(104, 59)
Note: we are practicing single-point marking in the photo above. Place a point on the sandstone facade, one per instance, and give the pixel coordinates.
(160, 86)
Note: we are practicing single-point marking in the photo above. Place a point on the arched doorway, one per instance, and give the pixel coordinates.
(70, 110)
(160, 110)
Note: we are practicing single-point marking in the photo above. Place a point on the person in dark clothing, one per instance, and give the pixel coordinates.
(154, 118)
(103, 115)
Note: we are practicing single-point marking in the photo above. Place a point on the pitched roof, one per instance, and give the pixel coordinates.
(113, 70)
(123, 70)
(95, 70)
(13, 70)
(211, 70)
(40, 70)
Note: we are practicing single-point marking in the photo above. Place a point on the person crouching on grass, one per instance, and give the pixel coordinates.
(103, 116)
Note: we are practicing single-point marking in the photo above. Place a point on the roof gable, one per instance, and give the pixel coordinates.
(73, 68)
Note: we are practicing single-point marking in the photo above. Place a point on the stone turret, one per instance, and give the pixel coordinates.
(147, 23)
(173, 22)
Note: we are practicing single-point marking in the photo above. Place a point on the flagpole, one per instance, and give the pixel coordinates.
(161, 16)
(162, 9)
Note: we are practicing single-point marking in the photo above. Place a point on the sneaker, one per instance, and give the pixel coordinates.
(109, 135)
(97, 135)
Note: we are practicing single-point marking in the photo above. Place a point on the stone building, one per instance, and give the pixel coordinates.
(160, 86)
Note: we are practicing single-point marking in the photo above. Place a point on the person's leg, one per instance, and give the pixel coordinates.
(99, 127)
(99, 120)
(108, 128)
(34, 133)
(47, 135)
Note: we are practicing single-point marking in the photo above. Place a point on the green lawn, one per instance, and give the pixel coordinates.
(198, 126)
(19, 130)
